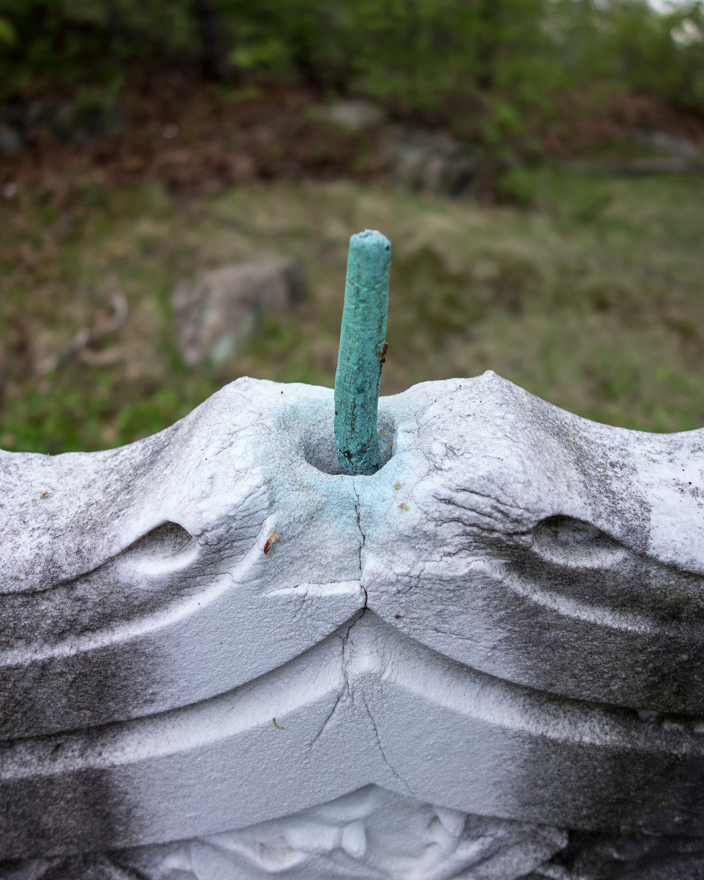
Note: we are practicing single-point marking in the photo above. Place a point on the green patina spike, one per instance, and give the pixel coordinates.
(362, 349)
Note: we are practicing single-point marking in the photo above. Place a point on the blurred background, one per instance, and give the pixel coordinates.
(179, 180)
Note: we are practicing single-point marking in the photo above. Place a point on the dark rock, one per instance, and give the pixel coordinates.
(434, 164)
(10, 140)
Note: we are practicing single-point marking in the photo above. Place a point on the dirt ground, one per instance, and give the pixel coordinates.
(198, 138)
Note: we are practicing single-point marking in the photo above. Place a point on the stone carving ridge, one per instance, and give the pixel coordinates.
(505, 621)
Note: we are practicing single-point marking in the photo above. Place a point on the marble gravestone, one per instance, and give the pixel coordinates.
(305, 634)
(222, 659)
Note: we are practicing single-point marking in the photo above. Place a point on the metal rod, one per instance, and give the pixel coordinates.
(361, 354)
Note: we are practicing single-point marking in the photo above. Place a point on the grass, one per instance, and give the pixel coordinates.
(591, 299)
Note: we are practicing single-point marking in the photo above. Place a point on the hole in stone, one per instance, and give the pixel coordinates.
(576, 544)
(166, 547)
(320, 451)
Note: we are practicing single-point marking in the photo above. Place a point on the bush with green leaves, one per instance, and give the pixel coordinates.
(417, 55)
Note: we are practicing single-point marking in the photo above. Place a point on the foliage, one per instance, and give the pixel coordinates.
(632, 46)
(66, 43)
(415, 54)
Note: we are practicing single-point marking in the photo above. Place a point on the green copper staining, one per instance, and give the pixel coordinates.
(362, 350)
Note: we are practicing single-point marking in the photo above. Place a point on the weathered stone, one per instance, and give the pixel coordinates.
(220, 658)
(10, 141)
(368, 833)
(669, 144)
(433, 164)
(352, 115)
(220, 311)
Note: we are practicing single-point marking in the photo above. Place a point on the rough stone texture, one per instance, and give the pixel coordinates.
(351, 114)
(433, 164)
(222, 308)
(212, 636)
(368, 833)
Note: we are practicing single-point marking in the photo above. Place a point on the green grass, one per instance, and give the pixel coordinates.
(591, 299)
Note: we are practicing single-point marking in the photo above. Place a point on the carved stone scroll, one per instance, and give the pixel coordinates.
(221, 659)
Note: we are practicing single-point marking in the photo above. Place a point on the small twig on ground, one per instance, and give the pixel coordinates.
(88, 335)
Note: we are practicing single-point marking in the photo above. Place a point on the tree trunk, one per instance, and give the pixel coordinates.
(215, 65)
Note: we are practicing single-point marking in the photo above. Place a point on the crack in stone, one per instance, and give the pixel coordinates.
(358, 511)
(381, 748)
(342, 696)
(345, 690)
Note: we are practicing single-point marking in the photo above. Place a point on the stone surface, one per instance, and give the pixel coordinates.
(10, 141)
(212, 629)
(369, 833)
(217, 313)
(434, 164)
(669, 144)
(352, 115)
